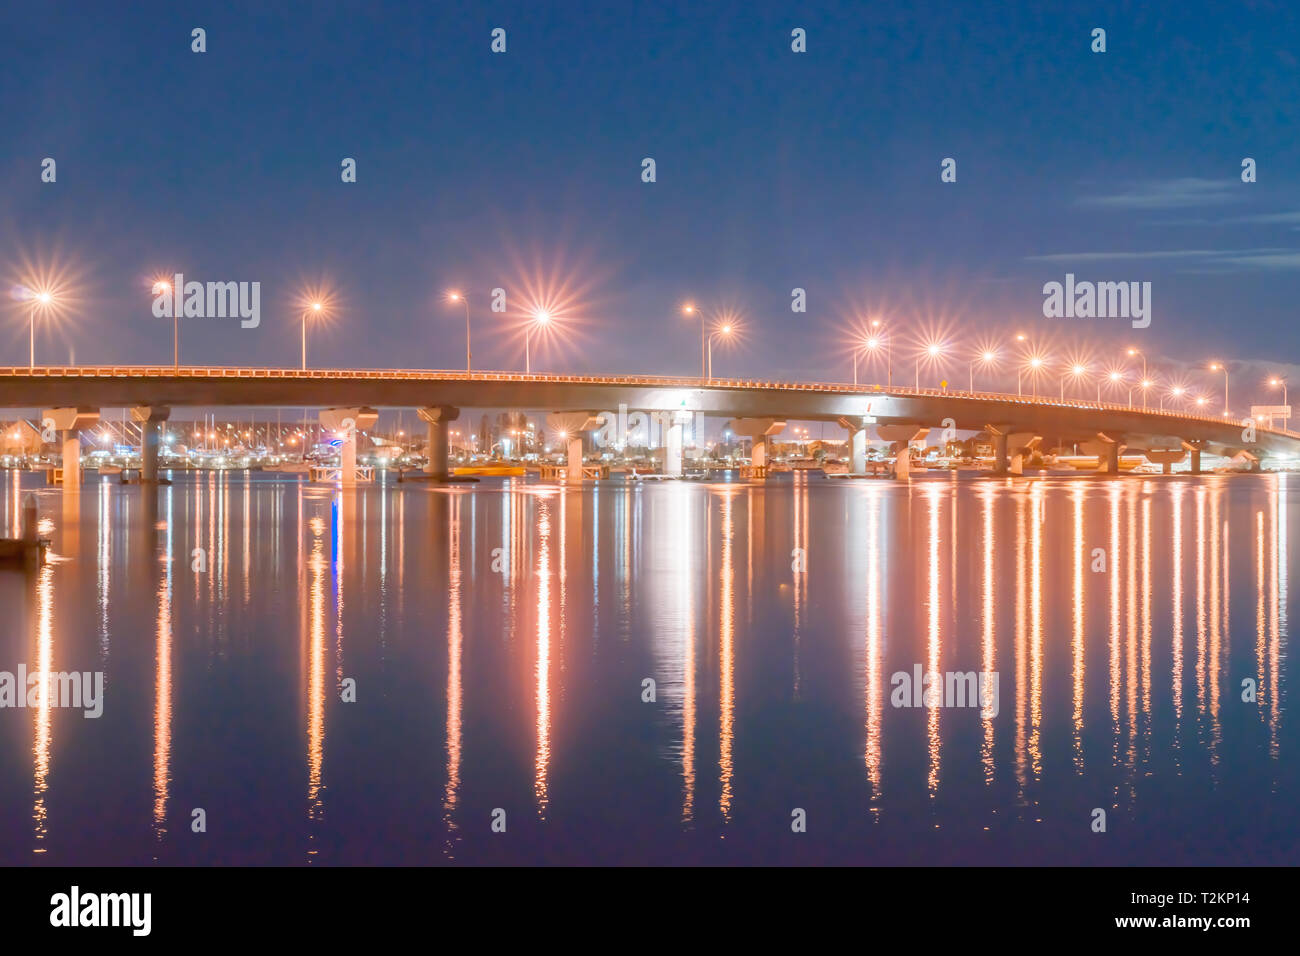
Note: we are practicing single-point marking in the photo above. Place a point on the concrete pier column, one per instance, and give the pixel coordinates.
(346, 423)
(758, 431)
(72, 458)
(673, 450)
(573, 468)
(1107, 448)
(1166, 458)
(1000, 465)
(902, 437)
(903, 461)
(70, 421)
(569, 427)
(1112, 459)
(437, 418)
(152, 420)
(1195, 468)
(857, 445)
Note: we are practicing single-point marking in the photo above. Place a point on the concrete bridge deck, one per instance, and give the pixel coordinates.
(1011, 419)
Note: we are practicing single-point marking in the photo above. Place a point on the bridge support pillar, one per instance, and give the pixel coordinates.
(902, 437)
(151, 419)
(437, 417)
(570, 426)
(1110, 461)
(673, 450)
(1166, 458)
(1194, 449)
(346, 422)
(999, 452)
(70, 421)
(903, 461)
(573, 471)
(1107, 449)
(857, 445)
(1251, 458)
(758, 431)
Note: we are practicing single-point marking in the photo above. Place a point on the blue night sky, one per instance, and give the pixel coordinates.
(775, 170)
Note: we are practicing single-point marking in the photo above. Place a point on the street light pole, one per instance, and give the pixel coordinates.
(1140, 353)
(468, 354)
(1216, 367)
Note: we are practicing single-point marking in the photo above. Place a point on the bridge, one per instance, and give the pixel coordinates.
(71, 397)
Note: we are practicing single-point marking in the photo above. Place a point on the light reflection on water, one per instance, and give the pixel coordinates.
(499, 638)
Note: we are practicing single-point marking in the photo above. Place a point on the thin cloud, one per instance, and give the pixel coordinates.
(1221, 260)
(1168, 194)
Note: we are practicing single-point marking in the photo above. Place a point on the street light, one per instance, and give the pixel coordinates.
(1216, 367)
(1020, 368)
(884, 342)
(724, 331)
(541, 317)
(1078, 371)
(40, 300)
(985, 358)
(315, 307)
(932, 353)
(690, 309)
(162, 285)
(1115, 377)
(1145, 384)
(461, 297)
(1035, 365)
(1275, 382)
(1177, 392)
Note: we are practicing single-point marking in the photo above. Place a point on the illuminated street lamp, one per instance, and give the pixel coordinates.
(1020, 367)
(1131, 353)
(315, 307)
(725, 332)
(1077, 371)
(540, 318)
(692, 310)
(869, 344)
(985, 358)
(931, 353)
(40, 300)
(1274, 383)
(1177, 392)
(1036, 364)
(454, 296)
(884, 342)
(162, 285)
(1114, 377)
(1217, 367)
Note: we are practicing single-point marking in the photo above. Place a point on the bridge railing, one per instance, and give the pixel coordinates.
(660, 381)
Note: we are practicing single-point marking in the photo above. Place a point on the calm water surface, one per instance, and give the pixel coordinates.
(499, 636)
